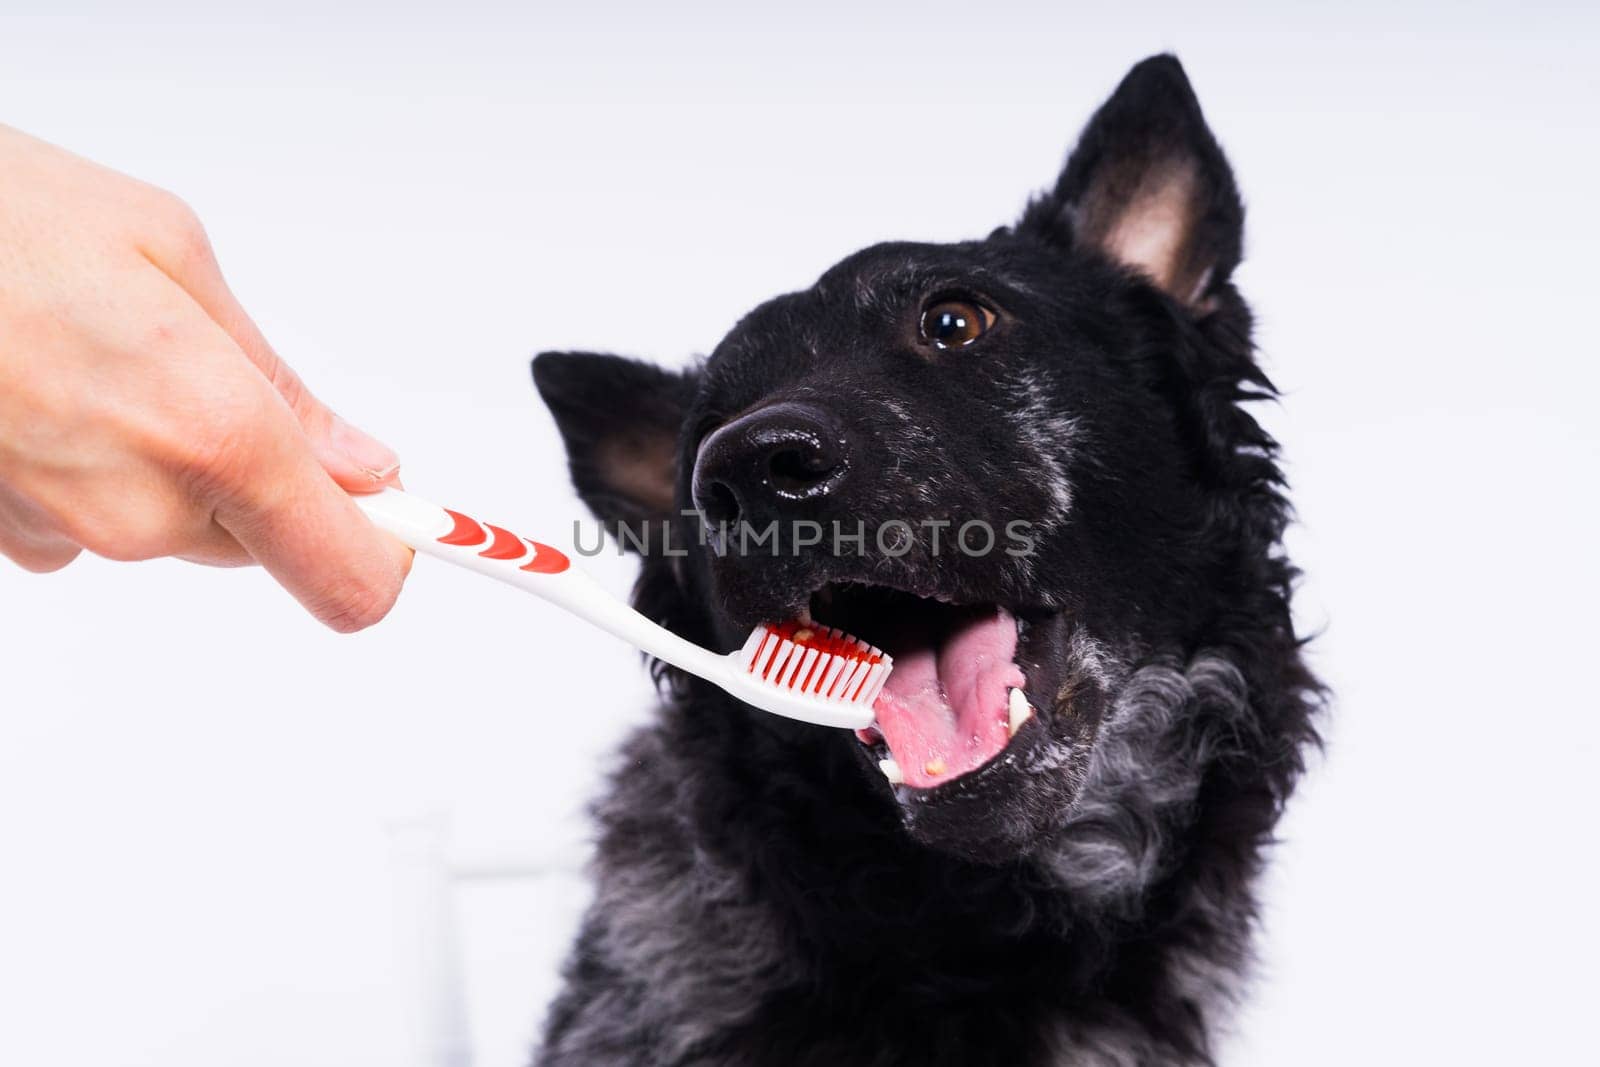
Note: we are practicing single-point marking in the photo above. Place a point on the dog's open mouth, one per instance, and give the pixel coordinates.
(957, 694)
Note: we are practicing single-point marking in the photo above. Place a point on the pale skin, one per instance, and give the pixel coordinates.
(143, 414)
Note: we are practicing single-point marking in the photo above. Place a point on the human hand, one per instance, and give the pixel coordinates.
(142, 414)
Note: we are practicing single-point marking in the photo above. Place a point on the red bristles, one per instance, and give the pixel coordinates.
(817, 660)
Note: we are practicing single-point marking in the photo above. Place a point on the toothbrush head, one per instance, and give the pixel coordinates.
(841, 673)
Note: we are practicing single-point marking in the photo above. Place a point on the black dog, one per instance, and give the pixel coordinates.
(977, 880)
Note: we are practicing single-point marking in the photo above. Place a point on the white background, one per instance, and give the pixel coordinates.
(195, 779)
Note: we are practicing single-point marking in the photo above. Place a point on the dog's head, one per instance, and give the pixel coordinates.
(1014, 463)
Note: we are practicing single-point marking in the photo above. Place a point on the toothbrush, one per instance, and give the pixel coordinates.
(813, 673)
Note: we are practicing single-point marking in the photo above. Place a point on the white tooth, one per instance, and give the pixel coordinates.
(1018, 711)
(891, 771)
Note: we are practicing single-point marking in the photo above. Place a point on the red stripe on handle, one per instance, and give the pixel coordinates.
(465, 532)
(546, 560)
(507, 545)
(470, 533)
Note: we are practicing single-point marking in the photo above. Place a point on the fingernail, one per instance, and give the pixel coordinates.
(376, 459)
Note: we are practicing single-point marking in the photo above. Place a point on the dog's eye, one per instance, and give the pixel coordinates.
(954, 323)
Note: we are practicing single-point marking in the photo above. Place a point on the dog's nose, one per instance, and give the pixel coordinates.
(770, 463)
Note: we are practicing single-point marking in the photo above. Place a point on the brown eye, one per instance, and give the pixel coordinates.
(954, 323)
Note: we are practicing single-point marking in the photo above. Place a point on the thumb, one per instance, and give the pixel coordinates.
(357, 461)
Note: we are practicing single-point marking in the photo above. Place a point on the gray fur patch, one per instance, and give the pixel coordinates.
(1145, 772)
(679, 929)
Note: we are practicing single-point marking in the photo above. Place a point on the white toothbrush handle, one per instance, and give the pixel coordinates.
(539, 568)
(546, 572)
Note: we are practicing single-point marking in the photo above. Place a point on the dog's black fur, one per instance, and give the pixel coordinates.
(764, 896)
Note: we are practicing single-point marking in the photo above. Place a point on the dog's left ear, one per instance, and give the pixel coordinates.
(620, 421)
(1148, 187)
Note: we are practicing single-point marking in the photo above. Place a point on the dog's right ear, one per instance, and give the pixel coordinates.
(620, 420)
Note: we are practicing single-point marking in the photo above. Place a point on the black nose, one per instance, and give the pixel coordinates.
(775, 462)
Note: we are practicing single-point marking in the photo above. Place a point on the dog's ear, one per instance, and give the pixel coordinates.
(1149, 187)
(620, 420)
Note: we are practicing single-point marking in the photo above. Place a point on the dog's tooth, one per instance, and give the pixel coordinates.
(1018, 711)
(891, 771)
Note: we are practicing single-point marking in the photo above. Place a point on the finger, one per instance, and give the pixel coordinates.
(32, 556)
(266, 487)
(27, 539)
(298, 524)
(357, 461)
(247, 458)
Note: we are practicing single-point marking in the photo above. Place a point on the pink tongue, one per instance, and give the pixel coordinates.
(943, 710)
